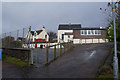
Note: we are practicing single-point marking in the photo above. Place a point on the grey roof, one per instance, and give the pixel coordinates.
(87, 28)
(38, 31)
(69, 26)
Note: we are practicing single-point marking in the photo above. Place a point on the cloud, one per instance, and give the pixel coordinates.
(18, 15)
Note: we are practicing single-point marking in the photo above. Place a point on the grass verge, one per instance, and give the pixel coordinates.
(15, 61)
(106, 76)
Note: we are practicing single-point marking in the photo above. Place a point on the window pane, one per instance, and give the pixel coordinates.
(99, 32)
(62, 36)
(68, 36)
(85, 32)
(92, 32)
(96, 31)
(89, 32)
(82, 32)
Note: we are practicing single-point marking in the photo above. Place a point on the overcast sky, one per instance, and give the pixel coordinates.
(18, 15)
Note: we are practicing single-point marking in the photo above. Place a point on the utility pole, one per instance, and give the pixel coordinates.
(23, 37)
(115, 59)
(29, 36)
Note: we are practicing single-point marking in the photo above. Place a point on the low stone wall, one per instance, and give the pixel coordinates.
(22, 54)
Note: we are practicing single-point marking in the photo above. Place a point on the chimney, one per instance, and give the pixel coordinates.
(43, 28)
(100, 27)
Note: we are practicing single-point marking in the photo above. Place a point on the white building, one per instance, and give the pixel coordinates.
(65, 32)
(38, 36)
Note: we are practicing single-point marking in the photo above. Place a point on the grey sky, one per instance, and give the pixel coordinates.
(17, 15)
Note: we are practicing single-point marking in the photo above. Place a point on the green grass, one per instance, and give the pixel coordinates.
(107, 76)
(15, 61)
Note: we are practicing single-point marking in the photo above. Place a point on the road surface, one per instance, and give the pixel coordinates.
(82, 62)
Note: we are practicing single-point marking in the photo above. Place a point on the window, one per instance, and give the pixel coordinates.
(62, 36)
(99, 32)
(45, 36)
(92, 32)
(82, 32)
(96, 32)
(89, 32)
(68, 36)
(85, 32)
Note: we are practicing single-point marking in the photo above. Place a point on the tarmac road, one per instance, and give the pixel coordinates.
(82, 62)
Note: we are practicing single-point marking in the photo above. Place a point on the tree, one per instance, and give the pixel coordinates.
(110, 33)
(52, 35)
(7, 40)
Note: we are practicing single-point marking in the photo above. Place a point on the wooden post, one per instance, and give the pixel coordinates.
(47, 54)
(60, 50)
(92, 40)
(98, 40)
(85, 41)
(23, 38)
(54, 52)
(30, 57)
(64, 47)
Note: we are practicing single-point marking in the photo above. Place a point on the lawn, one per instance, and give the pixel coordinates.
(15, 61)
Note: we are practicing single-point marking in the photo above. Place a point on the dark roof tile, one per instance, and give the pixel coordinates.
(32, 32)
(39, 31)
(69, 26)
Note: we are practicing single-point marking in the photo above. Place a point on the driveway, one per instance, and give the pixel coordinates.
(82, 62)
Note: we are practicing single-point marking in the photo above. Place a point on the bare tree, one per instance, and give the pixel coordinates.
(52, 35)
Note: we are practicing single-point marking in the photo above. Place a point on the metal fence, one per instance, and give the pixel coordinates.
(40, 56)
(14, 39)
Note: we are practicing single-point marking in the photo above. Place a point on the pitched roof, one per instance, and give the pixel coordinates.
(69, 26)
(32, 32)
(39, 31)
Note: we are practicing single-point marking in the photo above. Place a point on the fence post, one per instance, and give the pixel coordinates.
(47, 55)
(23, 37)
(9, 39)
(60, 50)
(31, 57)
(85, 41)
(17, 34)
(54, 52)
(98, 40)
(29, 36)
(92, 40)
(64, 47)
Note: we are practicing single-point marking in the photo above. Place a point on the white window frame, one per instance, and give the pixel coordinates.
(91, 32)
(99, 33)
(83, 32)
(68, 36)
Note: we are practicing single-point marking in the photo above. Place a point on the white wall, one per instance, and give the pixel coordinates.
(42, 35)
(66, 39)
(60, 32)
(85, 41)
